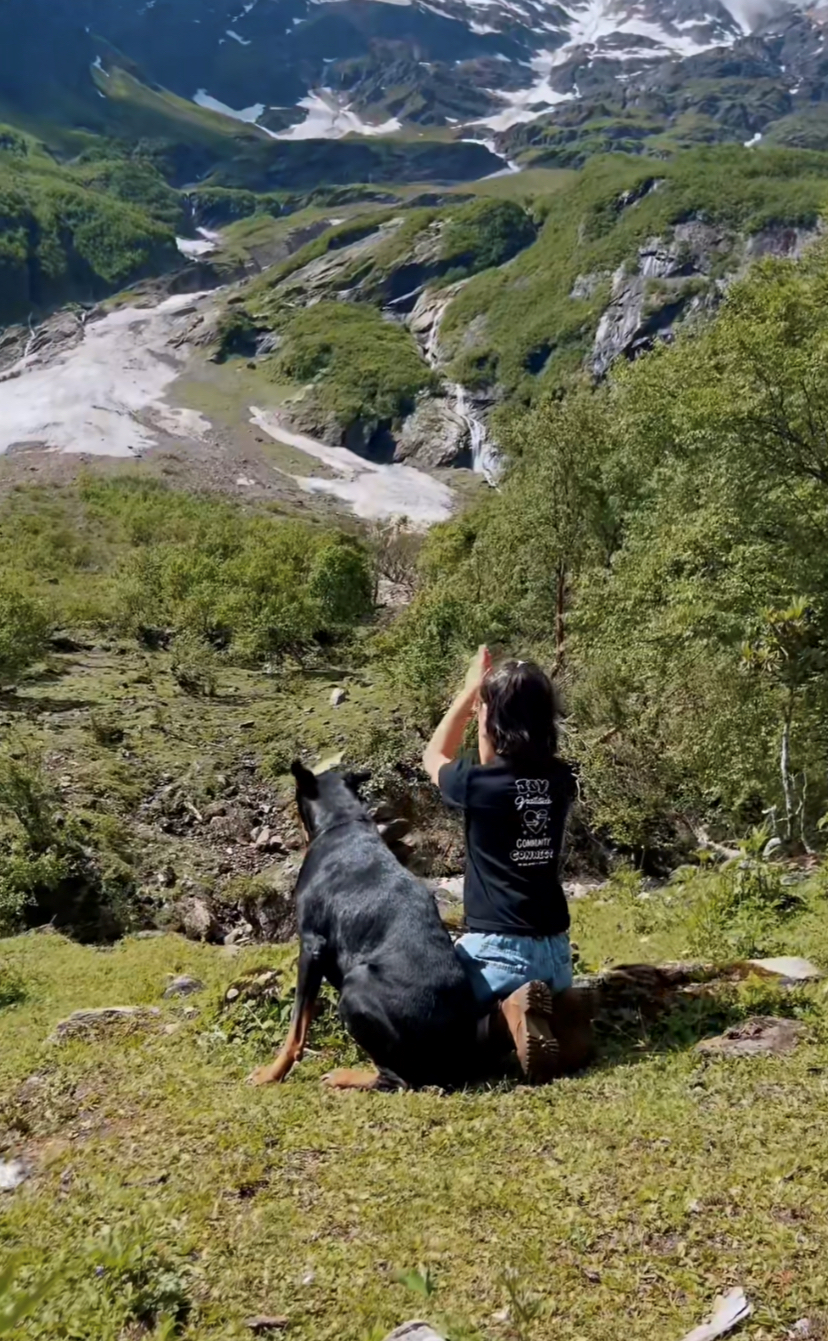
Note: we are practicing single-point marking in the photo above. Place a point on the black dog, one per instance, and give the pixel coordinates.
(375, 933)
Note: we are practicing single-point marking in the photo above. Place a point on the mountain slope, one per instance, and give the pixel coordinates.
(299, 70)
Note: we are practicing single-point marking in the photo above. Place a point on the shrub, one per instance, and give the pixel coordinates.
(194, 666)
(23, 628)
(736, 912)
(340, 580)
(12, 987)
(70, 869)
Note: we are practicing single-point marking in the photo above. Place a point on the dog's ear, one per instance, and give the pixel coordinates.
(356, 780)
(307, 783)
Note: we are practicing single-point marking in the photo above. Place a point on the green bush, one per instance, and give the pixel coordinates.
(737, 912)
(54, 866)
(365, 369)
(12, 986)
(194, 666)
(23, 629)
(485, 233)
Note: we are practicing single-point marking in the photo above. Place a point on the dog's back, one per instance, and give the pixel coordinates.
(404, 994)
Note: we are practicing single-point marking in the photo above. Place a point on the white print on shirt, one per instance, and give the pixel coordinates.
(534, 804)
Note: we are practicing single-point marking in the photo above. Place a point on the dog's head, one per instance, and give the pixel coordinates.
(327, 798)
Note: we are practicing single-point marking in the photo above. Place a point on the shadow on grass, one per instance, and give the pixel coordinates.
(35, 707)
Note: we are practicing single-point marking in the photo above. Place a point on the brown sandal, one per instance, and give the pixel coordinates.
(528, 1015)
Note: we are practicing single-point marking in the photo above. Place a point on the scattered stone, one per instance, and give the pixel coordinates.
(184, 986)
(266, 840)
(167, 877)
(338, 696)
(240, 935)
(248, 725)
(759, 1036)
(13, 1173)
(413, 1331)
(266, 1323)
(259, 986)
(85, 1022)
(191, 1013)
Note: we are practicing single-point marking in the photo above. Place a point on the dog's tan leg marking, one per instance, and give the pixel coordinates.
(292, 1051)
(351, 1080)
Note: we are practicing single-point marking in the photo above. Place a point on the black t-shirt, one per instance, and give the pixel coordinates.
(515, 821)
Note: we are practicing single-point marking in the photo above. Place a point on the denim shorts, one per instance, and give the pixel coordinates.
(499, 965)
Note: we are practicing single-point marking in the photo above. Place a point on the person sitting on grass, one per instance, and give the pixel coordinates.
(515, 800)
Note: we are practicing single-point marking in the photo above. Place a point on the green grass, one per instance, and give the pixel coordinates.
(623, 1199)
(524, 185)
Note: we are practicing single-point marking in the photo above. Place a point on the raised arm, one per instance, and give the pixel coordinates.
(448, 737)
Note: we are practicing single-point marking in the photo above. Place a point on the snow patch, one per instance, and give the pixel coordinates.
(373, 491)
(237, 38)
(326, 118)
(98, 65)
(250, 115)
(104, 396)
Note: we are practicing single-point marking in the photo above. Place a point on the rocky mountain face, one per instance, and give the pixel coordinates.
(299, 69)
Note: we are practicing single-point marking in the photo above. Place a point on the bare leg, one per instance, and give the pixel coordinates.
(309, 981)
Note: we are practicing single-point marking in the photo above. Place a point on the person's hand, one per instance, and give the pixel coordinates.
(480, 666)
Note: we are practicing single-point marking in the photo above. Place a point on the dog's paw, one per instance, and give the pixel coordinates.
(264, 1075)
(351, 1080)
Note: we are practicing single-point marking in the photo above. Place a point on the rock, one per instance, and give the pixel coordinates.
(167, 877)
(270, 908)
(266, 840)
(789, 969)
(149, 935)
(183, 986)
(426, 316)
(338, 696)
(267, 1323)
(414, 1331)
(255, 986)
(760, 1036)
(584, 286)
(239, 935)
(13, 1173)
(87, 1022)
(434, 435)
(196, 920)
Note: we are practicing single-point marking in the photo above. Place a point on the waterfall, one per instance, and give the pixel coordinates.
(484, 454)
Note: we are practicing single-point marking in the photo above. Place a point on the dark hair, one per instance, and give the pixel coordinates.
(521, 712)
